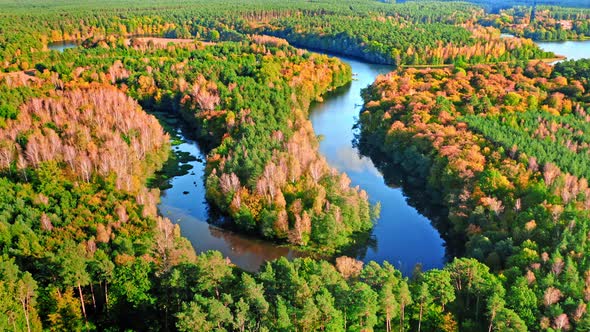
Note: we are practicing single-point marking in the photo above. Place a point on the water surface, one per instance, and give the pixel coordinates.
(572, 50)
(184, 203)
(60, 46)
(402, 235)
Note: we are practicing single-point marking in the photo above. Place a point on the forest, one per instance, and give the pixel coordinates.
(503, 147)
(544, 23)
(481, 122)
(426, 32)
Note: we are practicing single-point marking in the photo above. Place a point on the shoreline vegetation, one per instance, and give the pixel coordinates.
(545, 60)
(503, 147)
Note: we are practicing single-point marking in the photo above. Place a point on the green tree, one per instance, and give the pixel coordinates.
(132, 284)
(405, 299)
(523, 300)
(283, 316)
(423, 299)
(101, 268)
(73, 273)
(213, 271)
(193, 318)
(362, 307)
(253, 295)
(439, 284)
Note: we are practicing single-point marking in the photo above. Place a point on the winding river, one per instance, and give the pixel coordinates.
(401, 236)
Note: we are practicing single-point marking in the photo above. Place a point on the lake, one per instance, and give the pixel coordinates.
(573, 50)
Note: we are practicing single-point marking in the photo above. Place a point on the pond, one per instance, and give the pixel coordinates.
(62, 45)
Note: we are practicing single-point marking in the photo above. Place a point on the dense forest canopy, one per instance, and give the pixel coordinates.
(496, 5)
(504, 148)
(543, 23)
(481, 122)
(359, 28)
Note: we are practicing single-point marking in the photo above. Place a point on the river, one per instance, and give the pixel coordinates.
(401, 236)
(571, 49)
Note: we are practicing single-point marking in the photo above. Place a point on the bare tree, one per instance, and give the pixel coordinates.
(348, 266)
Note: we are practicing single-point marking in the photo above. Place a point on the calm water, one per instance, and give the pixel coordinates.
(184, 203)
(573, 50)
(402, 236)
(62, 45)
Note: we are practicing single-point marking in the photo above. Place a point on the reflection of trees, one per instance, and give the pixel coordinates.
(360, 244)
(426, 200)
(241, 245)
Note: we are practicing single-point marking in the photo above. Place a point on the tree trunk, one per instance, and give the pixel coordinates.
(401, 318)
(492, 321)
(26, 311)
(477, 309)
(82, 301)
(420, 318)
(345, 322)
(106, 294)
(388, 322)
(93, 298)
(166, 306)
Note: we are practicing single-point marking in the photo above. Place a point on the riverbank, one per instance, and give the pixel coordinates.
(546, 60)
